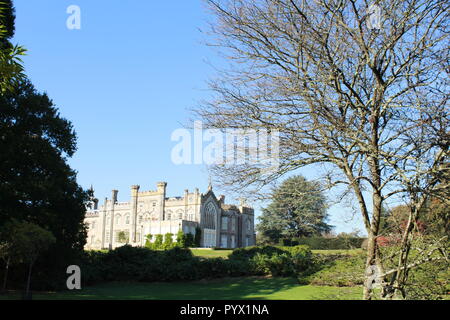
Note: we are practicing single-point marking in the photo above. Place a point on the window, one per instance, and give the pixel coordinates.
(224, 223)
(233, 241)
(127, 219)
(140, 219)
(233, 224)
(169, 215)
(210, 215)
(224, 241)
(117, 220)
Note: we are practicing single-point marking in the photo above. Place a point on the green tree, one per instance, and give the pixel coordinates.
(123, 237)
(298, 209)
(148, 241)
(168, 241)
(181, 239)
(36, 183)
(158, 244)
(7, 252)
(30, 240)
(189, 240)
(11, 69)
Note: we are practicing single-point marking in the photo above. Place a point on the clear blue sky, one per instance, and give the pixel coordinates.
(126, 81)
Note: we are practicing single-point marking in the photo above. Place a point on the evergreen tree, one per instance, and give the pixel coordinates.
(36, 183)
(11, 69)
(298, 209)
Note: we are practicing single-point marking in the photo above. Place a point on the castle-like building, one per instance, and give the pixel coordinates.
(114, 223)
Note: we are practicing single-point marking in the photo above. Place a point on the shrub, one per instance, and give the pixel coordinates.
(321, 243)
(129, 263)
(168, 241)
(189, 240)
(337, 270)
(274, 260)
(158, 244)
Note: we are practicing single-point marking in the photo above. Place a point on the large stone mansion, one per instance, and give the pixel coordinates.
(151, 212)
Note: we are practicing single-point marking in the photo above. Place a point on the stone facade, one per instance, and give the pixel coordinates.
(151, 212)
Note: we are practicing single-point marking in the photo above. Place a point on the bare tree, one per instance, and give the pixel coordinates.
(359, 87)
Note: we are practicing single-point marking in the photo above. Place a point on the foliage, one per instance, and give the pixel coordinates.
(158, 243)
(168, 241)
(27, 244)
(322, 243)
(123, 237)
(128, 263)
(11, 69)
(339, 94)
(298, 209)
(337, 270)
(148, 241)
(181, 239)
(37, 185)
(189, 239)
(274, 260)
(185, 240)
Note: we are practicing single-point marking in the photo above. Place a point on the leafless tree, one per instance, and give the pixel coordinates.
(362, 91)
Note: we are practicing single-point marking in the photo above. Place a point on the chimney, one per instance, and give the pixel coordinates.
(114, 196)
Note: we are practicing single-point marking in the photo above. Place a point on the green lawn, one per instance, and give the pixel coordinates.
(208, 253)
(221, 289)
(346, 252)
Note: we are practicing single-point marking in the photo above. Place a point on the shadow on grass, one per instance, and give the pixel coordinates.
(218, 289)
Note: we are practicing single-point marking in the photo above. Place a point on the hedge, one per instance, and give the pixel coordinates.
(142, 264)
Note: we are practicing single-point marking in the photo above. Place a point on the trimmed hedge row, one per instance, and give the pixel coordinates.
(142, 264)
(320, 243)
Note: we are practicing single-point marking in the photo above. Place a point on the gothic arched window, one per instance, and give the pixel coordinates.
(210, 214)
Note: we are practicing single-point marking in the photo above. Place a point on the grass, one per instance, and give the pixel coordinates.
(350, 252)
(208, 253)
(249, 288)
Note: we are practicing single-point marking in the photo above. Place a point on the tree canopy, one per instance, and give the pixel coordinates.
(298, 209)
(36, 183)
(365, 103)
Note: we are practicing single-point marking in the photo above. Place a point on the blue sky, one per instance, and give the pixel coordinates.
(126, 80)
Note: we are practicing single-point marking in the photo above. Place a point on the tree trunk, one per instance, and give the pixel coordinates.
(27, 290)
(5, 277)
(370, 264)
